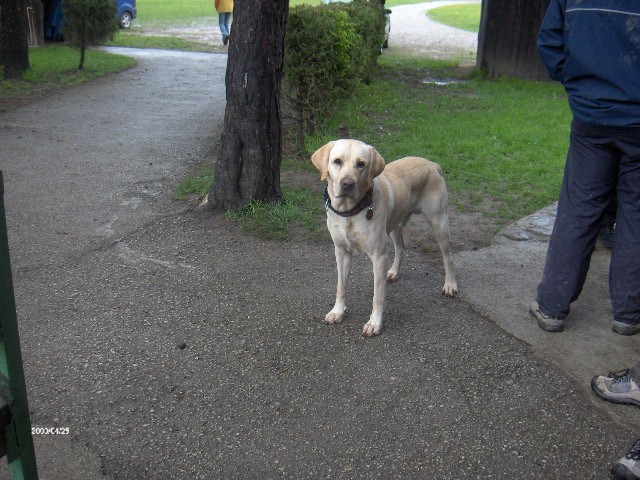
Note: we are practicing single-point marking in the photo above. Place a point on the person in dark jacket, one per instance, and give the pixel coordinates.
(593, 48)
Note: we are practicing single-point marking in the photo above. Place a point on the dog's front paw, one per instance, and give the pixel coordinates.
(334, 317)
(449, 289)
(371, 328)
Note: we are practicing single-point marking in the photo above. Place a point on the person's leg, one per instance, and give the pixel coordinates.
(608, 225)
(624, 273)
(589, 179)
(223, 22)
(228, 22)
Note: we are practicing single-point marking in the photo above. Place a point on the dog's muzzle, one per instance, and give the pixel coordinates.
(347, 187)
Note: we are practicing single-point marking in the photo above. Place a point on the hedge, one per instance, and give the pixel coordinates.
(329, 50)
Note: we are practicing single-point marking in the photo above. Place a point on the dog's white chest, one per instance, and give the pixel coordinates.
(349, 233)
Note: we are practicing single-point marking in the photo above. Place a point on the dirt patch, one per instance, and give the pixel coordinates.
(20, 98)
(204, 33)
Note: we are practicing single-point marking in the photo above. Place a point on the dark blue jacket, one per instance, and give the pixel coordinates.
(593, 48)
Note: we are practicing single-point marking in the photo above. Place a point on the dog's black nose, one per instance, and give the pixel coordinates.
(347, 184)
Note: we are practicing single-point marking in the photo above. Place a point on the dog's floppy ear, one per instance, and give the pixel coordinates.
(320, 160)
(377, 163)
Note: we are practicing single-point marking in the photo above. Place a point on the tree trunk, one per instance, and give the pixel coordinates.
(14, 42)
(299, 125)
(248, 167)
(82, 44)
(507, 38)
(81, 64)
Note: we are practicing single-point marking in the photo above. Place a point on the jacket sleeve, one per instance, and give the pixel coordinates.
(551, 39)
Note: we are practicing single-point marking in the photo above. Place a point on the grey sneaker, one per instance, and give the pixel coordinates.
(628, 467)
(545, 322)
(625, 328)
(617, 388)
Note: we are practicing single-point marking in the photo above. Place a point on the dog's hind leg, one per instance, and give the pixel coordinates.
(343, 262)
(398, 249)
(450, 287)
(435, 211)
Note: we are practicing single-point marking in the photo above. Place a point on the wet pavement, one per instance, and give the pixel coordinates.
(174, 346)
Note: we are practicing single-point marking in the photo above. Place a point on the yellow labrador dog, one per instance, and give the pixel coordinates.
(366, 202)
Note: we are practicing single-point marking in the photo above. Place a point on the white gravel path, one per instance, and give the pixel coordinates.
(412, 31)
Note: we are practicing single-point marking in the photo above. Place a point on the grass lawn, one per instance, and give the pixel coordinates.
(501, 143)
(162, 12)
(465, 17)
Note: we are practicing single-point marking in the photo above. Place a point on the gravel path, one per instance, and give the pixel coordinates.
(413, 31)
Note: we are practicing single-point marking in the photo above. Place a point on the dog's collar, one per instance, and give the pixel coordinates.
(365, 203)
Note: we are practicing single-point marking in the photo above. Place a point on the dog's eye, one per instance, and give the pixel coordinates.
(337, 161)
(359, 164)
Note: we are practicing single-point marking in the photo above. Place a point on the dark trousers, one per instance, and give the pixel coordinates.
(602, 161)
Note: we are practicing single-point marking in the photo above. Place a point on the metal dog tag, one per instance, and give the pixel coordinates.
(369, 214)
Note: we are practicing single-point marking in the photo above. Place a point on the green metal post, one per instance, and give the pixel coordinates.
(20, 453)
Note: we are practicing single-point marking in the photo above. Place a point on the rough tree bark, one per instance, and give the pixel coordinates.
(14, 40)
(248, 167)
(507, 38)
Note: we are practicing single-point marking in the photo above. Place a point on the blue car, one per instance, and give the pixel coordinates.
(126, 12)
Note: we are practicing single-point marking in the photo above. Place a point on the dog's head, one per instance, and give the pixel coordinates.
(349, 166)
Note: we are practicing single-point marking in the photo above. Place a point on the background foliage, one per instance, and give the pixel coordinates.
(329, 50)
(88, 22)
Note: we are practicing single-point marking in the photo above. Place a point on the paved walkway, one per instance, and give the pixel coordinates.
(173, 346)
(501, 280)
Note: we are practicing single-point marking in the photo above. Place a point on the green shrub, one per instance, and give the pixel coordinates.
(369, 19)
(329, 50)
(88, 22)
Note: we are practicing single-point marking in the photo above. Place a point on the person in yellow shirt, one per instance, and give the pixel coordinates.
(224, 9)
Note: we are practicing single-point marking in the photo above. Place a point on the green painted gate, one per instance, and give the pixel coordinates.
(15, 426)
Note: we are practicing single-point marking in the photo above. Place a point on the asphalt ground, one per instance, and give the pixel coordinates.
(174, 346)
